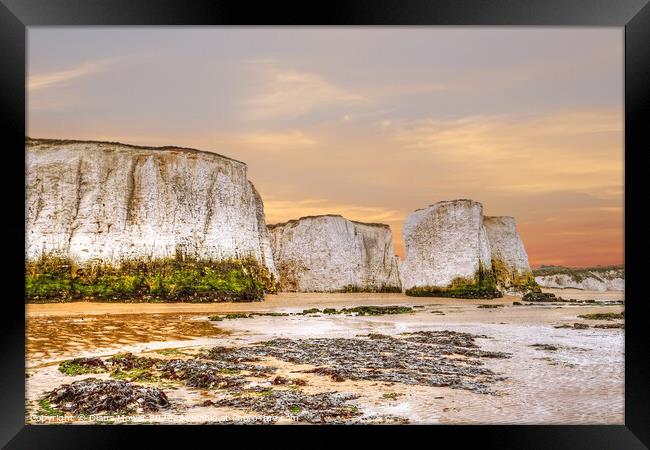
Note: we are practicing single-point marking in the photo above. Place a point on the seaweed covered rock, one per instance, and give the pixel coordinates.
(447, 252)
(326, 407)
(539, 297)
(333, 254)
(78, 366)
(108, 205)
(509, 258)
(92, 396)
(426, 358)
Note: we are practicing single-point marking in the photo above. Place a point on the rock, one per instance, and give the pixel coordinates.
(539, 297)
(325, 407)
(609, 278)
(330, 253)
(547, 347)
(509, 258)
(447, 251)
(425, 358)
(92, 396)
(78, 366)
(110, 202)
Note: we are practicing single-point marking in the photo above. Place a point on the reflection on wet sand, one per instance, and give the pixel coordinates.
(63, 336)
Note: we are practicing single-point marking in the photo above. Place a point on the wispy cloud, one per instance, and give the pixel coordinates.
(557, 145)
(290, 93)
(58, 77)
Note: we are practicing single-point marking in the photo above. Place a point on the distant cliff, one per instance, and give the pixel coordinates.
(606, 278)
(331, 254)
(97, 203)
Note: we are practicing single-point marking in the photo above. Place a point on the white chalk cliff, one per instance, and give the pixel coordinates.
(509, 258)
(443, 242)
(330, 253)
(107, 202)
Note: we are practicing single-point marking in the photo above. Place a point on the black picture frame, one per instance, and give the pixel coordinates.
(16, 15)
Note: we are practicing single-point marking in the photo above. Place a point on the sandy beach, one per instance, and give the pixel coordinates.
(549, 371)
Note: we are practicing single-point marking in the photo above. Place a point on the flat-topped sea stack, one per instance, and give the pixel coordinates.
(112, 221)
(509, 258)
(332, 254)
(447, 252)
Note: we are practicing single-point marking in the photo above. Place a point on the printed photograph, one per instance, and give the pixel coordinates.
(324, 225)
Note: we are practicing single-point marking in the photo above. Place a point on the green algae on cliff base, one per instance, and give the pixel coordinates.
(513, 280)
(53, 279)
(482, 286)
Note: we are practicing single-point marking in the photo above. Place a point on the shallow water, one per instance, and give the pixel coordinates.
(579, 383)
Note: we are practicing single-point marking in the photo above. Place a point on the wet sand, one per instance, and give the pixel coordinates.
(579, 382)
(280, 302)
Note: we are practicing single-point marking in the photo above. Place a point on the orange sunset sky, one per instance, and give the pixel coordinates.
(370, 123)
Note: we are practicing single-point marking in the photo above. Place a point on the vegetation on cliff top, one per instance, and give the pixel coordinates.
(53, 279)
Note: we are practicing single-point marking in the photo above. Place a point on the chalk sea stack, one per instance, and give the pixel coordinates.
(332, 254)
(108, 220)
(509, 258)
(447, 252)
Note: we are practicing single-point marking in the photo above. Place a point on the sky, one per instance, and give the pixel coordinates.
(369, 123)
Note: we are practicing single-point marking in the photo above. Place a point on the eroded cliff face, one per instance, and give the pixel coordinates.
(443, 243)
(330, 253)
(266, 252)
(108, 202)
(509, 258)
